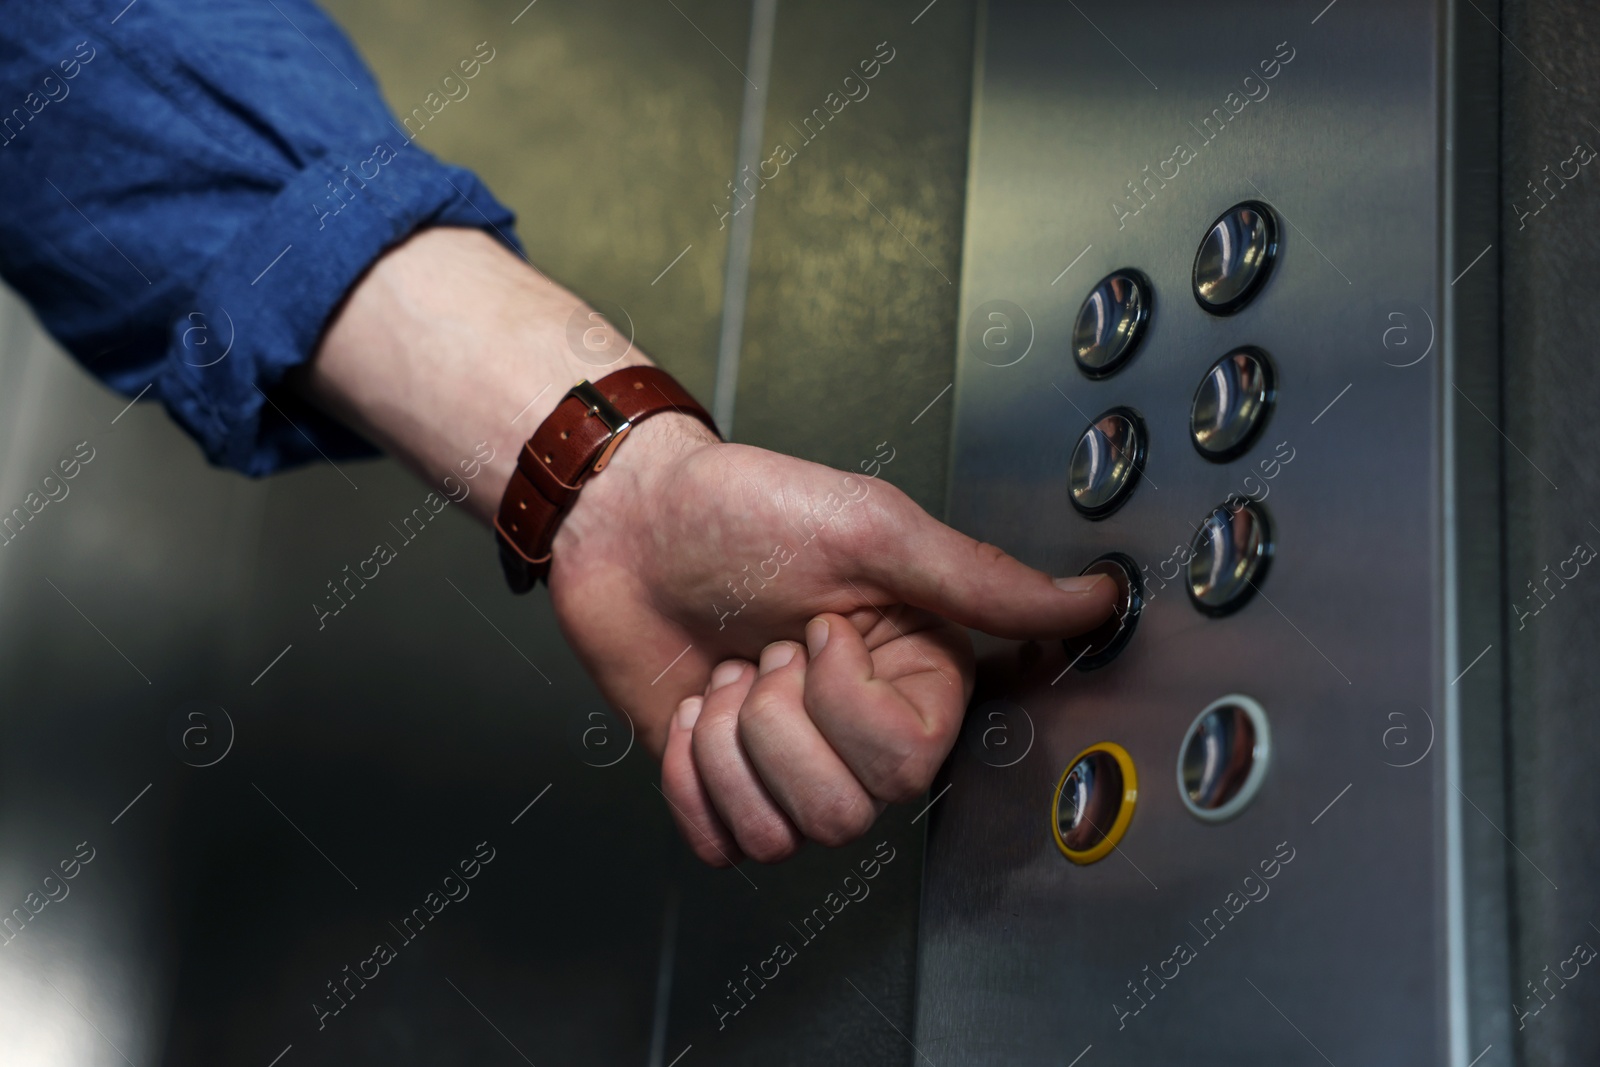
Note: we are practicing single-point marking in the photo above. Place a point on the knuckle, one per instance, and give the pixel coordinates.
(909, 757)
(987, 555)
(768, 839)
(940, 737)
(761, 708)
(906, 783)
(876, 517)
(707, 852)
(839, 821)
(908, 773)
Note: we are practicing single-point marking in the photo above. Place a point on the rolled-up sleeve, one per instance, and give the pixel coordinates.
(188, 191)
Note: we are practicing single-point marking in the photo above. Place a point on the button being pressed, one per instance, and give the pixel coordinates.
(1103, 644)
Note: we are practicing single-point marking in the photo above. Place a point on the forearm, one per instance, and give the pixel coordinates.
(450, 340)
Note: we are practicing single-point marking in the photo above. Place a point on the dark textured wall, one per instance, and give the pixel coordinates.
(608, 126)
(851, 323)
(1550, 260)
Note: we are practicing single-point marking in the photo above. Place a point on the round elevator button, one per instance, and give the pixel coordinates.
(1094, 802)
(1104, 643)
(1111, 322)
(1232, 404)
(1224, 758)
(1230, 554)
(1235, 257)
(1106, 462)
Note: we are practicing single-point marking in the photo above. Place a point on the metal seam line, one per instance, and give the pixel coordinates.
(735, 286)
(741, 231)
(664, 968)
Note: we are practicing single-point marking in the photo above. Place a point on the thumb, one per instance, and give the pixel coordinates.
(928, 565)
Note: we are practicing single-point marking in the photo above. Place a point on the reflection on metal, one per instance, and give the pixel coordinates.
(1229, 556)
(1104, 643)
(1224, 757)
(1106, 462)
(1235, 257)
(1111, 323)
(1232, 404)
(1094, 802)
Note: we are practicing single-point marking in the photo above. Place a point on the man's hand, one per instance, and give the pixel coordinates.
(813, 624)
(787, 637)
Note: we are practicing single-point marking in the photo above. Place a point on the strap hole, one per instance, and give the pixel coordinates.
(548, 458)
(565, 435)
(522, 505)
(638, 385)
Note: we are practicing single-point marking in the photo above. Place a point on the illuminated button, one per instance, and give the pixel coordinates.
(1111, 323)
(1103, 644)
(1224, 758)
(1231, 552)
(1094, 802)
(1232, 404)
(1235, 257)
(1105, 464)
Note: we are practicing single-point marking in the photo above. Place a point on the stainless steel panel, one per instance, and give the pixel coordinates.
(1351, 913)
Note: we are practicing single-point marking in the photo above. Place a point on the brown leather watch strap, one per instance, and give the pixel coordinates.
(575, 442)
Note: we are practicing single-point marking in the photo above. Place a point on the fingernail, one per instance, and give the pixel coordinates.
(816, 636)
(778, 654)
(689, 712)
(726, 673)
(1080, 584)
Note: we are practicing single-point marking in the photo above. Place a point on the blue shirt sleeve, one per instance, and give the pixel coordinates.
(188, 190)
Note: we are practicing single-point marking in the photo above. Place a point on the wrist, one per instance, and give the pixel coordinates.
(615, 508)
(450, 340)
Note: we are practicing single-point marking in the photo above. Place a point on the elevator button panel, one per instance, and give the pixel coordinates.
(1224, 757)
(1232, 404)
(1094, 802)
(1111, 323)
(1229, 556)
(1235, 257)
(1106, 462)
(1103, 644)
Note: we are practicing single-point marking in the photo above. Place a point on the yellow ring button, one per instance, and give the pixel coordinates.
(1094, 802)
